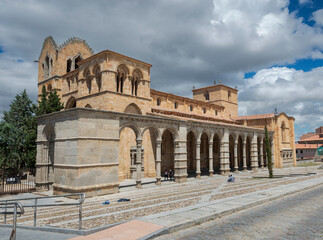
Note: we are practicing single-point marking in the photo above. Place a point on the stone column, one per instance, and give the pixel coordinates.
(211, 171)
(262, 153)
(198, 159)
(244, 157)
(236, 167)
(254, 153)
(138, 163)
(180, 155)
(158, 162)
(225, 161)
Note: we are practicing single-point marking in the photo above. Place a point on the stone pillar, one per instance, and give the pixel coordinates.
(254, 153)
(180, 155)
(244, 157)
(262, 153)
(236, 167)
(225, 160)
(158, 162)
(198, 159)
(211, 171)
(138, 163)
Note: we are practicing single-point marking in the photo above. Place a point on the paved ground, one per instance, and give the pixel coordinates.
(33, 235)
(298, 216)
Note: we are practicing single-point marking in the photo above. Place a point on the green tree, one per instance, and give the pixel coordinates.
(268, 153)
(8, 149)
(20, 125)
(49, 102)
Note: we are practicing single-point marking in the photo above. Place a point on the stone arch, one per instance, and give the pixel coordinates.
(204, 153)
(150, 135)
(128, 136)
(71, 103)
(157, 131)
(98, 76)
(167, 151)
(88, 106)
(191, 152)
(133, 108)
(172, 130)
(216, 152)
(133, 127)
(49, 150)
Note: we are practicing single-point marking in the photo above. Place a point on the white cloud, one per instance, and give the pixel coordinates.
(294, 92)
(188, 42)
(318, 17)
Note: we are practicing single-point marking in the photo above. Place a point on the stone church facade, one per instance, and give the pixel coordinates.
(115, 127)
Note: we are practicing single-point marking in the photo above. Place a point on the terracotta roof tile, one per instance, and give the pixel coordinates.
(258, 116)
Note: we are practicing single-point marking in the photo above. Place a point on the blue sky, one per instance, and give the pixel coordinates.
(271, 49)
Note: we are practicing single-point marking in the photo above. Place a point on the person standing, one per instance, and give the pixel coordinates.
(170, 175)
(166, 175)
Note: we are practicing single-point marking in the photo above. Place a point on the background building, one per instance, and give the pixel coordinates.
(306, 147)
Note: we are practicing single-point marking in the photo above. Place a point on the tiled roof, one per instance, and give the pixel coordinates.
(306, 146)
(258, 116)
(312, 138)
(189, 115)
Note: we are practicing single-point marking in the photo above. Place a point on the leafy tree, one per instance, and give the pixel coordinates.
(268, 153)
(20, 125)
(8, 153)
(49, 102)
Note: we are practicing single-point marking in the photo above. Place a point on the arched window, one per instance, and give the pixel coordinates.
(216, 112)
(78, 59)
(98, 77)
(176, 105)
(136, 77)
(121, 76)
(68, 65)
(207, 96)
(71, 103)
(49, 88)
(46, 67)
(88, 106)
(87, 77)
(204, 110)
(191, 108)
(158, 101)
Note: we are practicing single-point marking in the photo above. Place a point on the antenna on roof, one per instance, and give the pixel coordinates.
(214, 82)
(193, 87)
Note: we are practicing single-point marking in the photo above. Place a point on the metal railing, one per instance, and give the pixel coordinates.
(14, 212)
(36, 204)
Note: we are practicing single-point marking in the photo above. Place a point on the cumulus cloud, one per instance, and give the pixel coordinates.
(187, 42)
(294, 92)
